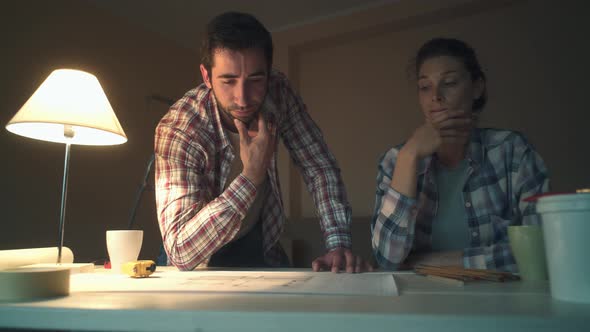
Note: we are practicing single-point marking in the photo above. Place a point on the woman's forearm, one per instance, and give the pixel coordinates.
(404, 179)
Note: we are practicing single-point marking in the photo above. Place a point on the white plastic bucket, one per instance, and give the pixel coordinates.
(566, 231)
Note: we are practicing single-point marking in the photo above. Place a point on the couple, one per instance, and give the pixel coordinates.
(445, 197)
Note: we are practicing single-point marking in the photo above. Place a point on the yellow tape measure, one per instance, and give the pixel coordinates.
(139, 269)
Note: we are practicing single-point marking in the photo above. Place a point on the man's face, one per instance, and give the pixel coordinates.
(239, 82)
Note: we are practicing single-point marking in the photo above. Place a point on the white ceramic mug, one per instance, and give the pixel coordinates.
(123, 246)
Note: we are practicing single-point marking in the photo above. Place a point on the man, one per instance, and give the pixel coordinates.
(217, 190)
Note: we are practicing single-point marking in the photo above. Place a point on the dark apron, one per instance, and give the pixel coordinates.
(246, 251)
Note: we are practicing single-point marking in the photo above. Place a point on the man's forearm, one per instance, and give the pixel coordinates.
(190, 241)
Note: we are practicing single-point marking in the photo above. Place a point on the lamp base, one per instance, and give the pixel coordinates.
(73, 267)
(31, 284)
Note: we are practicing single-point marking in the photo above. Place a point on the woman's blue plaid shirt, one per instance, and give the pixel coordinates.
(503, 169)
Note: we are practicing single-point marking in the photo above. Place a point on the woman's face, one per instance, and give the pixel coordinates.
(445, 84)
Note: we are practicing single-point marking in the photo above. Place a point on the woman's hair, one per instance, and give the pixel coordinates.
(461, 51)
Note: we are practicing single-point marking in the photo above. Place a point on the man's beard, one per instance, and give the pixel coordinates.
(229, 118)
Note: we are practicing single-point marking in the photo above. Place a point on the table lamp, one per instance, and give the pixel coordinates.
(70, 107)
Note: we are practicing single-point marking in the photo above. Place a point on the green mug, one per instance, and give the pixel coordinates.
(528, 249)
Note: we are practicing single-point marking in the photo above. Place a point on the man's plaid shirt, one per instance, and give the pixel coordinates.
(503, 169)
(197, 216)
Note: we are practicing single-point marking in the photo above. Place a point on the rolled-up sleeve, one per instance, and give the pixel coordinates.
(394, 218)
(194, 224)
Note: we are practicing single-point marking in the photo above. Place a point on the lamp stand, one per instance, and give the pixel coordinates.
(64, 194)
(69, 133)
(73, 267)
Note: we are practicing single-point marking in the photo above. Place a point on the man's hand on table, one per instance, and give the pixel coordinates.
(341, 259)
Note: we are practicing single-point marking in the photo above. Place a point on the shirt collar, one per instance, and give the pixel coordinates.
(476, 148)
(217, 122)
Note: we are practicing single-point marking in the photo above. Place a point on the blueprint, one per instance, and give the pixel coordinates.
(267, 282)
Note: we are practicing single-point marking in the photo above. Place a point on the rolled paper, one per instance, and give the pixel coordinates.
(21, 257)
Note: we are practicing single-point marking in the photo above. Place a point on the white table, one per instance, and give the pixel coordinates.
(423, 305)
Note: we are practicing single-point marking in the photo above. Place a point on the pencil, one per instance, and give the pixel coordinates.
(465, 274)
(447, 280)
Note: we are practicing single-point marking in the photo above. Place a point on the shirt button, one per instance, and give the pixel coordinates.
(474, 234)
(468, 204)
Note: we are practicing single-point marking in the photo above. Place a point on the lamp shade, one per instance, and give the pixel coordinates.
(69, 107)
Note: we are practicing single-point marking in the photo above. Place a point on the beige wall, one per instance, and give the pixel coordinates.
(351, 72)
(38, 37)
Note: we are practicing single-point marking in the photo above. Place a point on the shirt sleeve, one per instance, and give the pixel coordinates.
(529, 178)
(394, 218)
(194, 224)
(319, 168)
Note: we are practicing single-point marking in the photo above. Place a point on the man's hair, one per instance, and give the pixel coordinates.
(235, 31)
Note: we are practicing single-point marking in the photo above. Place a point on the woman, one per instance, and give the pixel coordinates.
(448, 195)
